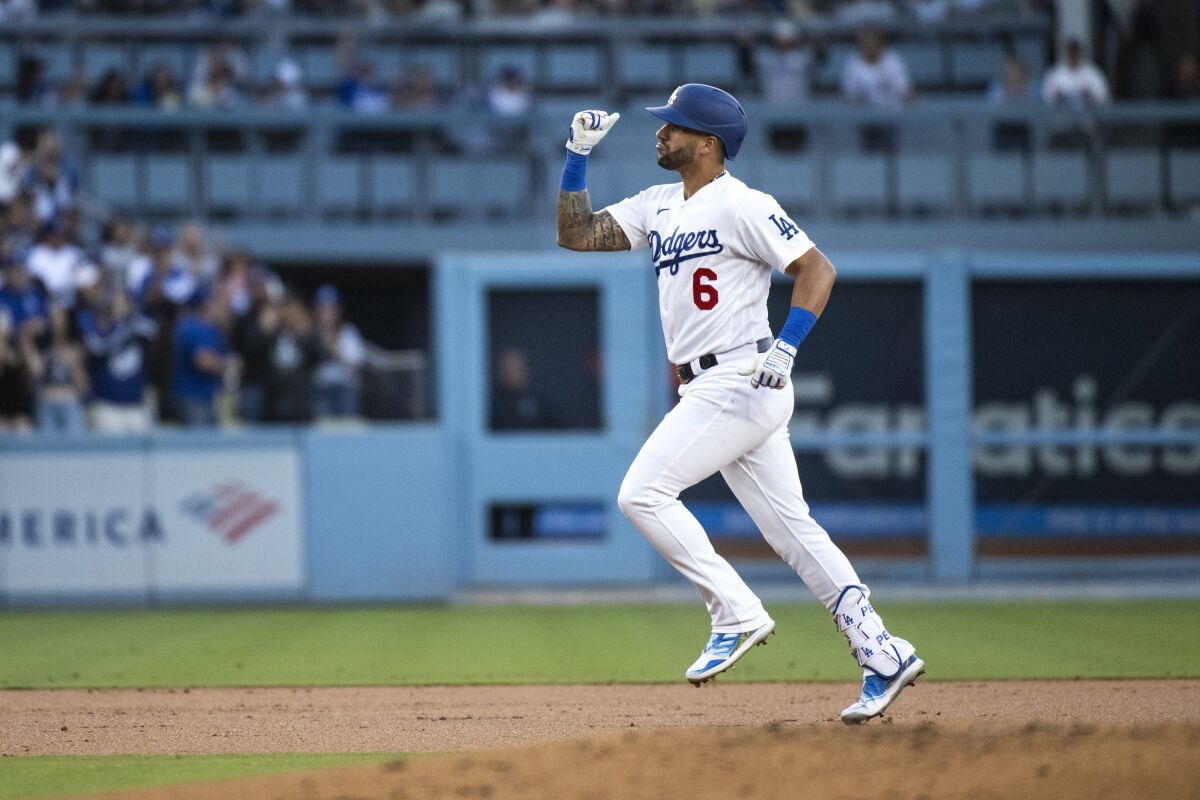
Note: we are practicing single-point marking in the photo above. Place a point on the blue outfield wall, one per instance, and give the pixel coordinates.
(384, 515)
(369, 514)
(423, 512)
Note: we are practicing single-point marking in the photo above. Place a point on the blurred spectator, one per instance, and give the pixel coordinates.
(1074, 82)
(509, 99)
(441, 11)
(224, 57)
(32, 88)
(160, 275)
(1187, 77)
(1012, 90)
(22, 301)
(554, 13)
(294, 354)
(359, 89)
(337, 378)
(16, 386)
(16, 158)
(160, 285)
(1012, 87)
(20, 226)
(51, 179)
(417, 90)
(22, 321)
(17, 10)
(118, 248)
(116, 338)
(514, 405)
(200, 355)
(510, 95)
(218, 89)
(159, 88)
(253, 331)
(195, 254)
(784, 69)
(61, 380)
(928, 11)
(235, 281)
(1164, 33)
(287, 91)
(72, 92)
(55, 261)
(111, 90)
(874, 74)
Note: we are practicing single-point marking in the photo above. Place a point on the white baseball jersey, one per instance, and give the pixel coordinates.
(713, 255)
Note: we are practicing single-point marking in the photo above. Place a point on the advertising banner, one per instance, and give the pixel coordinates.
(1047, 356)
(143, 521)
(1082, 357)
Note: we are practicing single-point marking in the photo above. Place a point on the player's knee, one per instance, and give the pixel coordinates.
(634, 498)
(627, 499)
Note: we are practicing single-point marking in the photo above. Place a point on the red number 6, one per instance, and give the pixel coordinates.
(704, 295)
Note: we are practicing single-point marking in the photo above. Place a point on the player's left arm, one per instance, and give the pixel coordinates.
(813, 276)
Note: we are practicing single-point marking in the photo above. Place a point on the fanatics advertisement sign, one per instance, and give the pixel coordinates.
(134, 522)
(1058, 356)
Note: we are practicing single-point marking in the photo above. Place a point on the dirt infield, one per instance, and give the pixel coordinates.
(1066, 739)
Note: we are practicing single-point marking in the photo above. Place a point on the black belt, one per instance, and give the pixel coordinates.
(687, 374)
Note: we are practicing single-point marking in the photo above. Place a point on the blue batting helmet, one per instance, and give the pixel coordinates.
(706, 109)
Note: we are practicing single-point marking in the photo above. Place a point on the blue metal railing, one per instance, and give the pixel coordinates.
(329, 162)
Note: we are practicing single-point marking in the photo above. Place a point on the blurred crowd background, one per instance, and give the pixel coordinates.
(145, 319)
(160, 325)
(1145, 49)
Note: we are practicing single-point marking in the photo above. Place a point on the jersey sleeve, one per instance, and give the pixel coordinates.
(630, 215)
(767, 233)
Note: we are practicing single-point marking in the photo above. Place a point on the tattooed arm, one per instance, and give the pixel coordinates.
(580, 229)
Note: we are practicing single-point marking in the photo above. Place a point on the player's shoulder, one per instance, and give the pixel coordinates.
(746, 198)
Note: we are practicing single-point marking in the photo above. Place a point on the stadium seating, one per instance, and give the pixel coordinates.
(169, 185)
(996, 182)
(1185, 176)
(925, 183)
(393, 185)
(478, 186)
(113, 180)
(1060, 181)
(1133, 179)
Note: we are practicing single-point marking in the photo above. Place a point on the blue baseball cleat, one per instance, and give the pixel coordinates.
(878, 692)
(723, 650)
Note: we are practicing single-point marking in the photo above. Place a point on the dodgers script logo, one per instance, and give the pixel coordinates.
(670, 252)
(230, 510)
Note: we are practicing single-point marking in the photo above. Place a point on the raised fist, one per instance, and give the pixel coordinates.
(588, 128)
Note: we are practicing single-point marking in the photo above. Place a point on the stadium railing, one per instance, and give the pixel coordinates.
(935, 159)
(609, 57)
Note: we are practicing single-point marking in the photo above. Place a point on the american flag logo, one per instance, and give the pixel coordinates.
(230, 510)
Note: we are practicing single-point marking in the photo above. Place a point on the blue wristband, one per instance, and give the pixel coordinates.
(574, 175)
(799, 323)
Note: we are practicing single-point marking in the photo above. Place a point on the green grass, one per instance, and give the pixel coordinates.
(594, 644)
(55, 776)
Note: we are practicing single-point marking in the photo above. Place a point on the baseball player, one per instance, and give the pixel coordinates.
(713, 242)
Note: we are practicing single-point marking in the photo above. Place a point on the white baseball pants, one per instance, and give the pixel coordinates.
(723, 423)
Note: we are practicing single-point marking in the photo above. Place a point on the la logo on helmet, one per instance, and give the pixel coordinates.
(671, 99)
